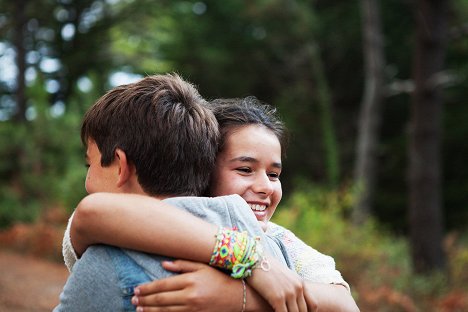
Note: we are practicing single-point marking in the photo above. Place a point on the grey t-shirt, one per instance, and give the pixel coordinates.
(94, 283)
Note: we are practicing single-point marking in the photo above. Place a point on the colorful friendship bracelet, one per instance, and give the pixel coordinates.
(237, 252)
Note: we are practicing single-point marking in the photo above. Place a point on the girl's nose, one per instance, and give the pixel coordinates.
(262, 184)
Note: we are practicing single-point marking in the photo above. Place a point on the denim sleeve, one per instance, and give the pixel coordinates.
(93, 285)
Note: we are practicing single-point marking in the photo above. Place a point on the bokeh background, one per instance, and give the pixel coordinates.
(373, 93)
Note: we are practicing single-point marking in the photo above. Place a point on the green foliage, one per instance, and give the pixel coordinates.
(42, 162)
(14, 209)
(228, 49)
(371, 258)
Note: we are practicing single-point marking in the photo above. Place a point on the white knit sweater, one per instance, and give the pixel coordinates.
(309, 264)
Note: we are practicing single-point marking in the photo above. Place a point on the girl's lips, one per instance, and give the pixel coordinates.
(260, 211)
(260, 215)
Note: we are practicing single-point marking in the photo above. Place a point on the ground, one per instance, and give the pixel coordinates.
(32, 272)
(29, 283)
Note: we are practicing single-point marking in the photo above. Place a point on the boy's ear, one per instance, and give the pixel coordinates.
(125, 168)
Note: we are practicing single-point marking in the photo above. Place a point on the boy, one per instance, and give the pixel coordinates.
(155, 137)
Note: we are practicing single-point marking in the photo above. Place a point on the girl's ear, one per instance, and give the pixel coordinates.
(125, 168)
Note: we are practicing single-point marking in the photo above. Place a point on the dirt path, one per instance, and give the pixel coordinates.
(29, 284)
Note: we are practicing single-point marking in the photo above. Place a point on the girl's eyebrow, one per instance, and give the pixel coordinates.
(254, 160)
(276, 165)
(244, 159)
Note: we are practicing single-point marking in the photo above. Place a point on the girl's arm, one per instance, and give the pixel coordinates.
(141, 223)
(198, 289)
(328, 297)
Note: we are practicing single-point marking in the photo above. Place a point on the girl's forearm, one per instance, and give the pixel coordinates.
(328, 297)
(255, 302)
(142, 223)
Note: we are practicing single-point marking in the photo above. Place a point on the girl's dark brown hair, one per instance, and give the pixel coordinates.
(239, 112)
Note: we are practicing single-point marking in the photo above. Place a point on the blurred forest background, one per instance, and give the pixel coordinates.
(372, 93)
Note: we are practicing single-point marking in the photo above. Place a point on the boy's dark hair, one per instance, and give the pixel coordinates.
(165, 129)
(238, 112)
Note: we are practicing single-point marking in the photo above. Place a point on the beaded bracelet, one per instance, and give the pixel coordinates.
(237, 252)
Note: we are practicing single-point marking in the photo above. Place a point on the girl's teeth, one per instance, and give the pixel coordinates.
(257, 207)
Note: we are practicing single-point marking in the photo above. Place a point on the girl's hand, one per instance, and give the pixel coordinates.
(199, 288)
(280, 287)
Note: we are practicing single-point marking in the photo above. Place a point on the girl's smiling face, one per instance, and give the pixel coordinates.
(250, 165)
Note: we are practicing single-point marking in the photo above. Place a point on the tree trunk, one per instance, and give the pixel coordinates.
(370, 115)
(326, 119)
(18, 41)
(425, 199)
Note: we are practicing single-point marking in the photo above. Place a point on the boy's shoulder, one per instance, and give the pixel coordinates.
(207, 202)
(223, 210)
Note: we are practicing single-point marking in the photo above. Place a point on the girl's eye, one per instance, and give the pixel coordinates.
(244, 170)
(274, 175)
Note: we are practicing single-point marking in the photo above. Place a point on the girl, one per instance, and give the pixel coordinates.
(248, 164)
